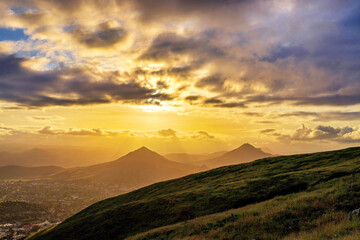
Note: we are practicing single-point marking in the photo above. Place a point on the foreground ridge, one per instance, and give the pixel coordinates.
(298, 188)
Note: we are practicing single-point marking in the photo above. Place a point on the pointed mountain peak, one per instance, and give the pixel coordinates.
(142, 155)
(246, 146)
(142, 152)
(143, 149)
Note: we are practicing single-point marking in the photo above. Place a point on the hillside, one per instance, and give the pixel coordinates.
(138, 168)
(243, 154)
(292, 194)
(18, 172)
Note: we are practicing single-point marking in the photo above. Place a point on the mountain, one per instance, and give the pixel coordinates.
(62, 157)
(194, 159)
(29, 158)
(137, 168)
(243, 154)
(18, 172)
(304, 196)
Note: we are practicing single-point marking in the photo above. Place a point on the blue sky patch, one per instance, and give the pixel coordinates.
(12, 34)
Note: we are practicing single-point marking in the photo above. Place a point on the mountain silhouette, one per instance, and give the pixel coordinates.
(63, 157)
(138, 168)
(243, 154)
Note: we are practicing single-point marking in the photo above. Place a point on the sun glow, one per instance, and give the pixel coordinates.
(157, 108)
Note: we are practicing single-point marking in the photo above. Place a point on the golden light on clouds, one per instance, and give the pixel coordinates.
(240, 71)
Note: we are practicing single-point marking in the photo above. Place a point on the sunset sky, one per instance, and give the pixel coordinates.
(181, 75)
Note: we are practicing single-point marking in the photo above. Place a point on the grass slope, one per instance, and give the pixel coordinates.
(220, 190)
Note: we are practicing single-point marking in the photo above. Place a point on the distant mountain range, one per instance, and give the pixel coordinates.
(18, 172)
(243, 154)
(137, 168)
(36, 157)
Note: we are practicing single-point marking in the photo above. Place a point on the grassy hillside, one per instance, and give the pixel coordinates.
(309, 184)
(318, 214)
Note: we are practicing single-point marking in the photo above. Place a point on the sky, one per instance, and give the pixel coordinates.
(181, 75)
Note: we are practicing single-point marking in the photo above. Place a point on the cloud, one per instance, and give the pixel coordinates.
(68, 86)
(210, 12)
(46, 118)
(284, 51)
(268, 130)
(323, 116)
(331, 100)
(324, 133)
(213, 82)
(104, 35)
(213, 101)
(48, 130)
(231, 105)
(191, 98)
(203, 134)
(170, 46)
(239, 49)
(167, 133)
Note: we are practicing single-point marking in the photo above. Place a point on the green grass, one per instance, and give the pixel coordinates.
(307, 184)
(317, 214)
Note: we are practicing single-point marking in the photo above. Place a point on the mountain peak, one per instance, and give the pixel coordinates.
(142, 149)
(142, 153)
(246, 146)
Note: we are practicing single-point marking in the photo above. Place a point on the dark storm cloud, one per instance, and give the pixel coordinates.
(210, 11)
(162, 85)
(298, 52)
(104, 35)
(331, 100)
(231, 105)
(323, 116)
(283, 51)
(352, 20)
(213, 101)
(168, 46)
(192, 98)
(269, 130)
(214, 82)
(64, 87)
